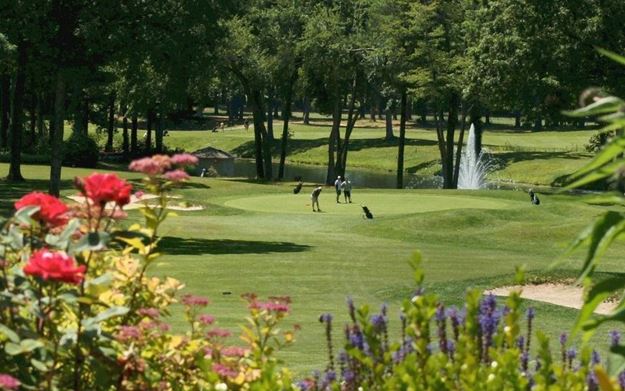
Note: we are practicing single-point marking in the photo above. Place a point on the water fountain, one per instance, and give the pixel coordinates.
(473, 168)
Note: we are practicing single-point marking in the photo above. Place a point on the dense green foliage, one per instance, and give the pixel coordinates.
(138, 66)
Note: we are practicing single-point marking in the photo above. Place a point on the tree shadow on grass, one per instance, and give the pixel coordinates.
(246, 150)
(12, 191)
(196, 246)
(504, 159)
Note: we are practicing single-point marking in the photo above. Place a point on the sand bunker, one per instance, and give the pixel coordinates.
(136, 203)
(559, 294)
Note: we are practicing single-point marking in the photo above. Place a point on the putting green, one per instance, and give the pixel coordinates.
(380, 203)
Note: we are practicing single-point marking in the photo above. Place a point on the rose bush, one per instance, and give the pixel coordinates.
(79, 309)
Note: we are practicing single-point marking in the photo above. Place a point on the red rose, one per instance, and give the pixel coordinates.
(51, 210)
(56, 266)
(103, 188)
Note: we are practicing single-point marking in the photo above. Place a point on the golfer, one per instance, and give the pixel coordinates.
(315, 198)
(346, 186)
(337, 186)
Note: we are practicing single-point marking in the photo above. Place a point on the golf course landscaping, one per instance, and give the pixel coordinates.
(261, 238)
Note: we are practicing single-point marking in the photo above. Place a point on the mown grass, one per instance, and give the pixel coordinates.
(262, 238)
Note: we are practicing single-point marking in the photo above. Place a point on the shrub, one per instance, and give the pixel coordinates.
(80, 151)
(78, 309)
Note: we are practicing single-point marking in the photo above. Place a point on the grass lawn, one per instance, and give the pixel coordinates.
(262, 238)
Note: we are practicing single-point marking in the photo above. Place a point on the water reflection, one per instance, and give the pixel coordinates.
(317, 174)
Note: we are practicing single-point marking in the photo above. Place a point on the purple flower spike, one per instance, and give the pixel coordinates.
(592, 382)
(440, 313)
(351, 308)
(520, 342)
(384, 309)
(325, 318)
(488, 304)
(563, 338)
(531, 313)
(378, 322)
(615, 338)
(595, 358)
(621, 380)
(571, 354)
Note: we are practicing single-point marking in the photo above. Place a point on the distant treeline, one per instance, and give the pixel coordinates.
(137, 61)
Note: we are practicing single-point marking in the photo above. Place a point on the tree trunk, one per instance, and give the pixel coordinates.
(159, 131)
(402, 140)
(39, 114)
(438, 116)
(306, 111)
(286, 116)
(125, 139)
(352, 116)
(134, 147)
(33, 122)
(333, 140)
(270, 118)
(76, 109)
(148, 131)
(5, 109)
(487, 118)
(56, 158)
(85, 115)
(110, 124)
(452, 122)
(459, 151)
(517, 120)
(389, 125)
(17, 116)
(261, 139)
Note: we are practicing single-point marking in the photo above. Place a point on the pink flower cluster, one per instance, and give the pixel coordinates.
(224, 370)
(163, 164)
(206, 319)
(274, 304)
(218, 333)
(234, 351)
(195, 301)
(128, 333)
(149, 312)
(8, 382)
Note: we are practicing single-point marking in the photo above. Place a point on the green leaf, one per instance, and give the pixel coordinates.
(597, 295)
(28, 345)
(599, 236)
(93, 241)
(609, 104)
(16, 238)
(600, 173)
(607, 155)
(41, 366)
(616, 57)
(616, 360)
(10, 334)
(24, 215)
(62, 240)
(12, 349)
(104, 315)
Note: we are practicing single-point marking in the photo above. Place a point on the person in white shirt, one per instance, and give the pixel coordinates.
(337, 186)
(346, 187)
(315, 198)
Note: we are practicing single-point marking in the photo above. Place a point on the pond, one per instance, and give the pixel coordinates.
(317, 174)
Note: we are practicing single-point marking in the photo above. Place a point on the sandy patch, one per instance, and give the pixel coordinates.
(136, 203)
(570, 296)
